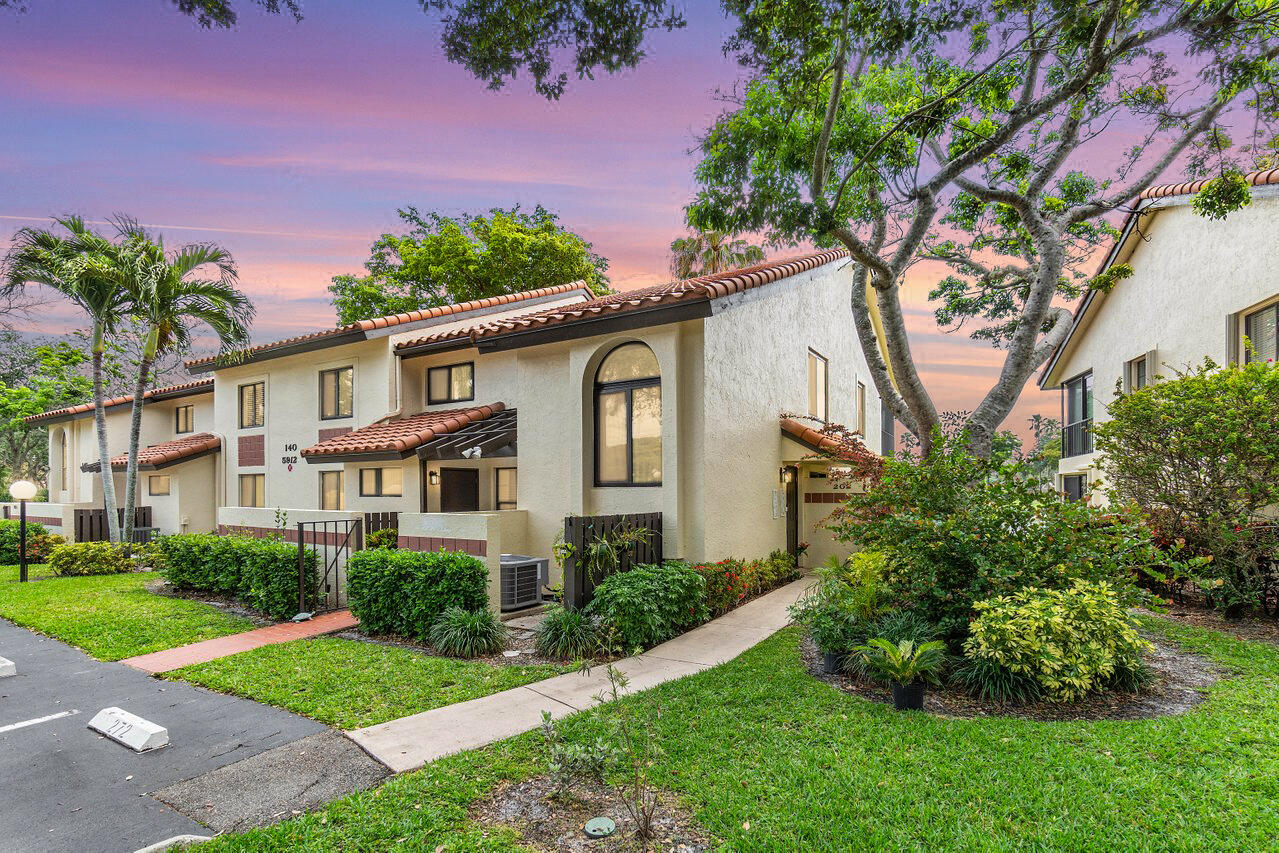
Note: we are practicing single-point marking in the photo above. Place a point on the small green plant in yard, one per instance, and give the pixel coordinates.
(650, 604)
(387, 537)
(905, 662)
(897, 625)
(89, 558)
(468, 633)
(993, 682)
(635, 736)
(570, 762)
(9, 535)
(1070, 641)
(565, 634)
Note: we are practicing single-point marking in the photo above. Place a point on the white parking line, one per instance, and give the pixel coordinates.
(36, 721)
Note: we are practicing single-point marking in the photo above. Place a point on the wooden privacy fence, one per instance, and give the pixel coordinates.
(374, 521)
(90, 525)
(580, 531)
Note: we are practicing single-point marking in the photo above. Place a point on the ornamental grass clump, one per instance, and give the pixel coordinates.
(1071, 642)
(565, 634)
(463, 633)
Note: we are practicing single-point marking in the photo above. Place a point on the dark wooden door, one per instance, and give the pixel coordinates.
(459, 489)
(792, 510)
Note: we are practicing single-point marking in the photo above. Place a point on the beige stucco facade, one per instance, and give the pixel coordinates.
(1193, 279)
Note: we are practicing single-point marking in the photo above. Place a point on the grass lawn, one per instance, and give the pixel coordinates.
(109, 616)
(771, 759)
(350, 684)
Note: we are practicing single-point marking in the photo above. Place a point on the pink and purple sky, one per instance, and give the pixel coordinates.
(292, 145)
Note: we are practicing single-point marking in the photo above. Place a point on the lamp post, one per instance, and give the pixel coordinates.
(22, 491)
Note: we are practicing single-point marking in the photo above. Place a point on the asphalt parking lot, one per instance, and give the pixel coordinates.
(67, 788)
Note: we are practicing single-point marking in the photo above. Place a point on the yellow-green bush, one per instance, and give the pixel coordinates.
(89, 558)
(1070, 641)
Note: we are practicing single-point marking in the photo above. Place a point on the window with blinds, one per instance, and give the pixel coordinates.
(252, 405)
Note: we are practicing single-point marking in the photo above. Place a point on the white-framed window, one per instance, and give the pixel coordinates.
(1137, 374)
(381, 482)
(505, 488)
(450, 383)
(337, 393)
(818, 384)
(1076, 405)
(158, 485)
(253, 490)
(332, 490)
(1260, 330)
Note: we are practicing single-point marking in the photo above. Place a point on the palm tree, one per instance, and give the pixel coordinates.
(709, 252)
(85, 268)
(170, 299)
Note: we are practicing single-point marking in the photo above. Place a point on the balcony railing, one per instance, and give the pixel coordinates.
(1076, 439)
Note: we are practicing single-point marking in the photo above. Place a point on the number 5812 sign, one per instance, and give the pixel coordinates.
(290, 457)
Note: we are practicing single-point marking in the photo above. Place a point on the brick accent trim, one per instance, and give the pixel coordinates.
(47, 520)
(326, 434)
(252, 450)
(824, 497)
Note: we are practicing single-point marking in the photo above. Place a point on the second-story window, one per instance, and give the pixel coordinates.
(1076, 432)
(818, 385)
(184, 419)
(451, 383)
(861, 408)
(252, 405)
(336, 393)
(1261, 328)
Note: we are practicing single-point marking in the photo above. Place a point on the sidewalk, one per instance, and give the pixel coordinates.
(220, 647)
(411, 742)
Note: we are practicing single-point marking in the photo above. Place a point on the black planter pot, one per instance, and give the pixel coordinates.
(832, 663)
(908, 697)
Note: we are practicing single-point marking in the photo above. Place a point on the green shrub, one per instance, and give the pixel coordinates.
(726, 583)
(387, 537)
(897, 625)
(567, 634)
(89, 558)
(263, 573)
(957, 529)
(904, 662)
(835, 615)
(993, 682)
(9, 535)
(1070, 641)
(468, 633)
(404, 592)
(39, 546)
(650, 604)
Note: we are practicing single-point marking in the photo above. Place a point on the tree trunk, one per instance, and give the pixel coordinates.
(104, 455)
(135, 431)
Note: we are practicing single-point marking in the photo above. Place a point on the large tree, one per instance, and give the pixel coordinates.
(443, 260)
(35, 377)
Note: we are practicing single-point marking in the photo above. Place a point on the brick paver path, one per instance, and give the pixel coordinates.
(220, 647)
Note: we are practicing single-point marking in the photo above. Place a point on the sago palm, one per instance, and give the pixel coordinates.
(171, 298)
(85, 268)
(710, 252)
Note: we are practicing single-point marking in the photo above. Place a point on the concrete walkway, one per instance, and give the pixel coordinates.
(220, 647)
(410, 742)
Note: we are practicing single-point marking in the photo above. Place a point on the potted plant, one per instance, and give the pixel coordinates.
(830, 622)
(907, 665)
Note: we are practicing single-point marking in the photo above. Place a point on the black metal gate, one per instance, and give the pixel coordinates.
(323, 549)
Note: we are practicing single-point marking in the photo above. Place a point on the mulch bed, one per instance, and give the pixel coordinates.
(1256, 628)
(551, 822)
(1181, 682)
(518, 640)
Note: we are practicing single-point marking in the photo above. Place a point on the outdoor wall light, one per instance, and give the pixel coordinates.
(434, 478)
(786, 474)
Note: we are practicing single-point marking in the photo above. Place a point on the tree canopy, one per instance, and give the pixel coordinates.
(35, 377)
(443, 260)
(709, 252)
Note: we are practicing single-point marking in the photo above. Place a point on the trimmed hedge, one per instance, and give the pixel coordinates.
(89, 558)
(403, 592)
(263, 573)
(9, 555)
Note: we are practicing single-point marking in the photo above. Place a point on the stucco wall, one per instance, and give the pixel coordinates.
(756, 368)
(1190, 275)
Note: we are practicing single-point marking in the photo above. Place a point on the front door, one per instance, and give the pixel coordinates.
(459, 489)
(792, 510)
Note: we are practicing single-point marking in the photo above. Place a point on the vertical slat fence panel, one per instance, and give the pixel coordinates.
(582, 530)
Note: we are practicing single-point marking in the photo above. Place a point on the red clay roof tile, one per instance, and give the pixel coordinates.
(691, 289)
(199, 386)
(402, 435)
(165, 453)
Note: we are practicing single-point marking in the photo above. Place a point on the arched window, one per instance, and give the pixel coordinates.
(628, 418)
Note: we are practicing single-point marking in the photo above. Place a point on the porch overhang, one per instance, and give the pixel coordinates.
(493, 436)
(400, 438)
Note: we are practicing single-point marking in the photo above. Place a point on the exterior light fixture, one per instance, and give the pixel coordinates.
(22, 491)
(786, 474)
(434, 478)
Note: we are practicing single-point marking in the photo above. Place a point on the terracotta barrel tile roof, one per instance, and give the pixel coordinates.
(165, 453)
(196, 387)
(400, 319)
(702, 288)
(1256, 179)
(821, 442)
(402, 435)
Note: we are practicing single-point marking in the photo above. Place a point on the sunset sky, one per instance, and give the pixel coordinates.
(292, 145)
